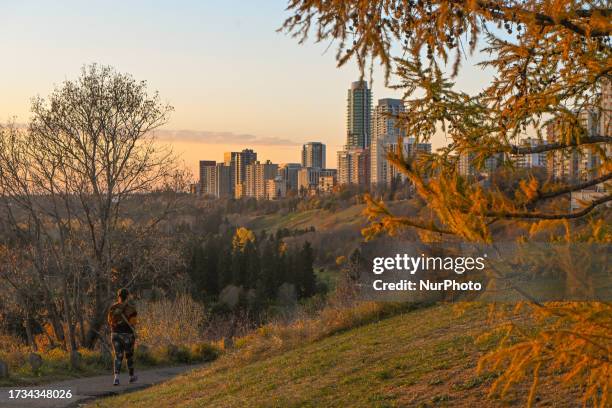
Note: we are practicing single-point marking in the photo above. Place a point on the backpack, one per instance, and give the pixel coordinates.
(119, 314)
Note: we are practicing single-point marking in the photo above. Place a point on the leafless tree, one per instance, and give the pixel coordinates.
(66, 179)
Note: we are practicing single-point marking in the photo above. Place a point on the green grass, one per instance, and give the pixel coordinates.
(320, 219)
(424, 358)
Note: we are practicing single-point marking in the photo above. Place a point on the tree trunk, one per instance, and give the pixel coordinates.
(98, 316)
(68, 319)
(27, 323)
(56, 323)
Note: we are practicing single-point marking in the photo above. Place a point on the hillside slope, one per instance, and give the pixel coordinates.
(424, 358)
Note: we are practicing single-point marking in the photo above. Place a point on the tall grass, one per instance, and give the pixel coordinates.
(177, 321)
(168, 332)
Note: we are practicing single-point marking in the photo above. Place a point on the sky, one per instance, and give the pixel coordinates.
(233, 81)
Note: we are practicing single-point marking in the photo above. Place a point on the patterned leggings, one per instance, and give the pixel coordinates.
(123, 343)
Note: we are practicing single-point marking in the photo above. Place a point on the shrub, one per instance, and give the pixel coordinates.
(205, 352)
(96, 359)
(173, 321)
(143, 355)
(176, 354)
(10, 343)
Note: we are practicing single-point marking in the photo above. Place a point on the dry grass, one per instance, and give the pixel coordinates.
(425, 358)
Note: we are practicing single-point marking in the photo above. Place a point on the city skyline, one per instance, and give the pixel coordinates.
(211, 61)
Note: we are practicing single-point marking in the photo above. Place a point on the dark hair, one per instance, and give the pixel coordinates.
(123, 294)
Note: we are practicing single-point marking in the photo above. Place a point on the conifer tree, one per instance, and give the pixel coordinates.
(224, 267)
(307, 280)
(251, 264)
(268, 282)
(551, 61)
(211, 261)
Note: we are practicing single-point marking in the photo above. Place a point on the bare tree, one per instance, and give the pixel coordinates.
(65, 180)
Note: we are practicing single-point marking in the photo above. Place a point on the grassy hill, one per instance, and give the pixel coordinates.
(424, 358)
(319, 219)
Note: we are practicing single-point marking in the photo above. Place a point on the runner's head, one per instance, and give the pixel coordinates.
(123, 294)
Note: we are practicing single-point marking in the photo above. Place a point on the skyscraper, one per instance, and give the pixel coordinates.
(243, 159)
(289, 174)
(238, 162)
(308, 177)
(573, 164)
(344, 167)
(207, 177)
(355, 156)
(313, 155)
(385, 133)
(358, 115)
(605, 108)
(532, 160)
(257, 175)
(354, 167)
(223, 181)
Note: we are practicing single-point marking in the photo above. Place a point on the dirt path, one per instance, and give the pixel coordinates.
(89, 388)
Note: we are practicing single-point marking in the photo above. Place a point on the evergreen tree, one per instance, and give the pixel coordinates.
(267, 283)
(237, 268)
(224, 266)
(209, 268)
(195, 270)
(307, 280)
(251, 265)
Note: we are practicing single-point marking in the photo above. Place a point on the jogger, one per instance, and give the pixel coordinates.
(123, 344)
(122, 318)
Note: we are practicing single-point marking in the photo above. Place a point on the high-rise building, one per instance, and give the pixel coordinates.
(207, 177)
(385, 134)
(589, 161)
(257, 175)
(360, 167)
(354, 167)
(275, 188)
(238, 162)
(531, 160)
(358, 115)
(327, 183)
(243, 159)
(467, 166)
(344, 168)
(313, 155)
(223, 181)
(410, 149)
(308, 177)
(605, 108)
(289, 174)
(230, 159)
(574, 164)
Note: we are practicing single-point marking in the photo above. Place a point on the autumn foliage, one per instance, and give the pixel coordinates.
(552, 63)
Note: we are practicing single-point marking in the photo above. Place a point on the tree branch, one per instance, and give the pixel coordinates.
(543, 216)
(587, 140)
(573, 187)
(407, 222)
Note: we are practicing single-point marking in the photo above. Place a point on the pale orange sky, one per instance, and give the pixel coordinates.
(233, 80)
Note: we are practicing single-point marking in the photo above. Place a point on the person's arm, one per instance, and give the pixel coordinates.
(109, 319)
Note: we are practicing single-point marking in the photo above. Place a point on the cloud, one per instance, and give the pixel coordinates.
(212, 137)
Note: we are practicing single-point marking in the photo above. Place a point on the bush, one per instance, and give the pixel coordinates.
(173, 321)
(205, 352)
(91, 358)
(143, 355)
(176, 354)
